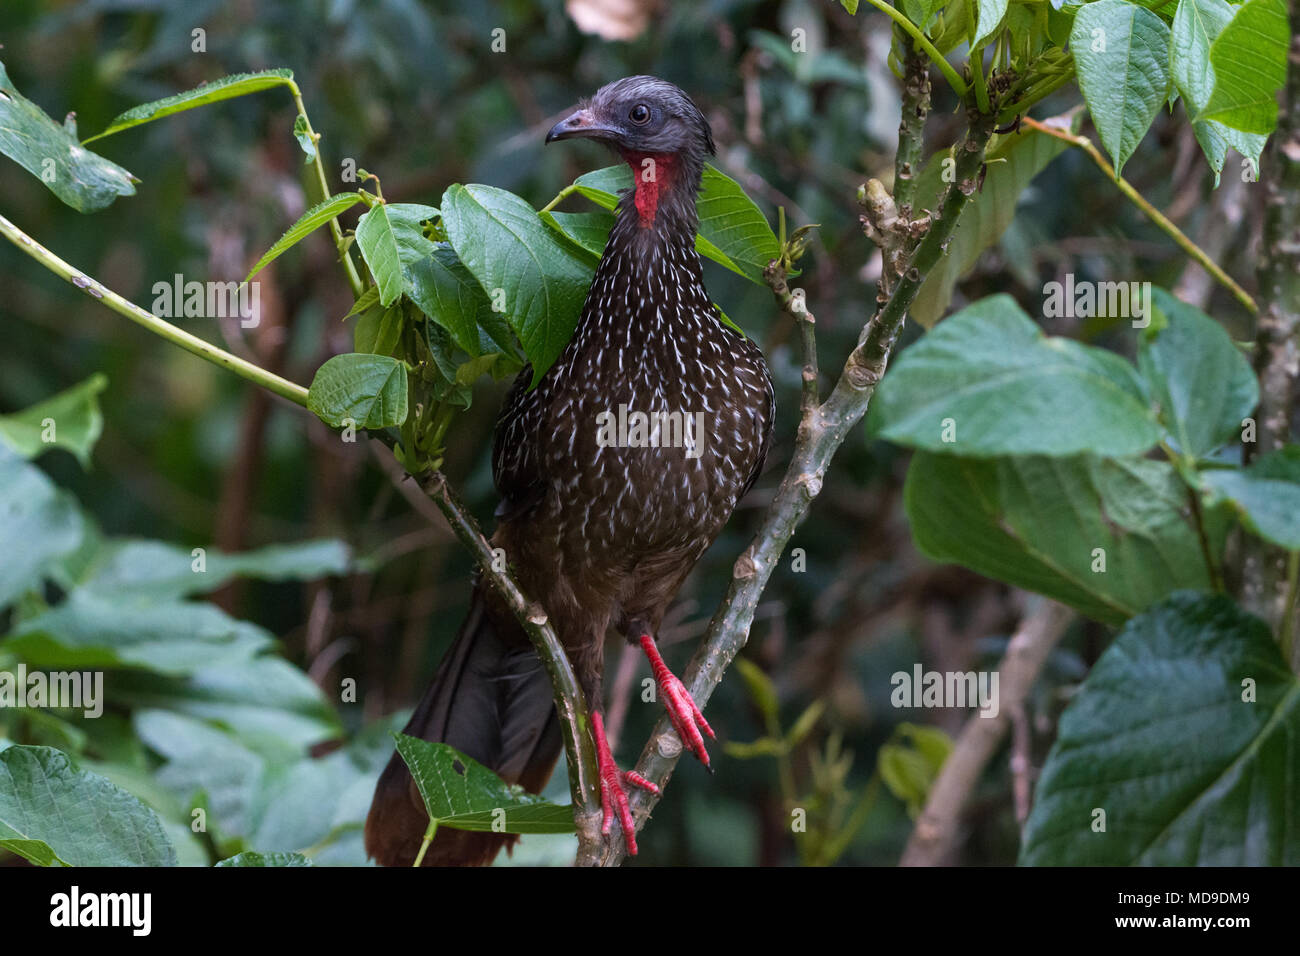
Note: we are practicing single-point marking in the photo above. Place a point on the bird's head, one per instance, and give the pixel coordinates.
(654, 127)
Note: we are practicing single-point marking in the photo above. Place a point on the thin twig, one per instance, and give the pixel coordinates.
(1155, 215)
(937, 829)
(177, 336)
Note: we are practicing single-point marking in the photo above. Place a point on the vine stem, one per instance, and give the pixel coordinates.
(336, 230)
(160, 327)
(915, 32)
(1154, 214)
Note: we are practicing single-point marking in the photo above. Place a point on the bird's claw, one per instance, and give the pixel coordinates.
(613, 787)
(683, 712)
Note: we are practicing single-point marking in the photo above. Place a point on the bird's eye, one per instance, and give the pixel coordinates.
(640, 114)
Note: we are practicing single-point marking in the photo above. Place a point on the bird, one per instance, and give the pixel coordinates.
(600, 524)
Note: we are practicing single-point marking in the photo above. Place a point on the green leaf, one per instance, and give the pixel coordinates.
(1196, 670)
(1121, 52)
(910, 771)
(588, 230)
(462, 794)
(850, 5)
(154, 570)
(1249, 61)
(90, 631)
(733, 231)
(984, 219)
(1107, 537)
(302, 133)
(1201, 382)
(39, 525)
(84, 180)
(274, 708)
(449, 294)
(368, 391)
(379, 330)
(1196, 25)
(228, 87)
(253, 858)
(988, 17)
(70, 420)
(307, 223)
(391, 239)
(53, 815)
(505, 245)
(761, 689)
(988, 382)
(1266, 495)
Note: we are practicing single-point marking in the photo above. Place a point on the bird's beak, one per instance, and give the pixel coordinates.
(581, 123)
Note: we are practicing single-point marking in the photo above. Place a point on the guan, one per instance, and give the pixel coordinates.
(600, 524)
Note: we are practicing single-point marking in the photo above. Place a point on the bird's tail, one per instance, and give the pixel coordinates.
(491, 700)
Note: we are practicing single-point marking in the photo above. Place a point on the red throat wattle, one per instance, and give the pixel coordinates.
(652, 175)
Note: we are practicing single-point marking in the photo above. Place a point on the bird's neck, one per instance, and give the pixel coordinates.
(664, 187)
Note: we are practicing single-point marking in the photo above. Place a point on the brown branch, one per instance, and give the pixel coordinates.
(937, 829)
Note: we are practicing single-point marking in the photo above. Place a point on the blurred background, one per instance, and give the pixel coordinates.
(413, 92)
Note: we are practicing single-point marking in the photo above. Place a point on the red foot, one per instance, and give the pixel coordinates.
(613, 795)
(685, 716)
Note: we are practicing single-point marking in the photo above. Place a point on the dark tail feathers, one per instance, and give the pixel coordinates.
(490, 699)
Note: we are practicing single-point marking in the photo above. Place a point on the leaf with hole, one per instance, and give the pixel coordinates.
(84, 180)
(463, 794)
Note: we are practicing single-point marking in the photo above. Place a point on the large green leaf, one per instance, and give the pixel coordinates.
(1202, 384)
(84, 180)
(733, 231)
(988, 382)
(1266, 495)
(1121, 52)
(94, 631)
(70, 420)
(228, 87)
(274, 708)
(307, 223)
(368, 391)
(1249, 61)
(463, 794)
(518, 258)
(39, 525)
(1186, 735)
(155, 570)
(988, 17)
(1015, 160)
(1107, 537)
(391, 239)
(449, 294)
(53, 815)
(1196, 25)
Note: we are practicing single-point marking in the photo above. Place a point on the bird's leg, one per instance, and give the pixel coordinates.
(682, 710)
(613, 793)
